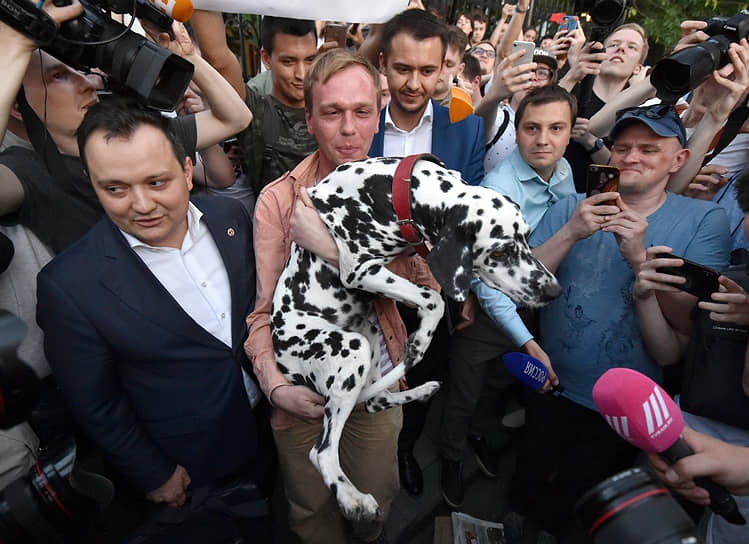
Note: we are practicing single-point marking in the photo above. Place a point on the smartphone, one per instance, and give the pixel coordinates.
(601, 178)
(569, 23)
(527, 47)
(701, 280)
(335, 32)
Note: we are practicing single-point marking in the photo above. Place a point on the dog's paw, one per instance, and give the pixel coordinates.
(429, 389)
(359, 506)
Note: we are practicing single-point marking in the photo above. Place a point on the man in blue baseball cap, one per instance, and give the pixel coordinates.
(596, 246)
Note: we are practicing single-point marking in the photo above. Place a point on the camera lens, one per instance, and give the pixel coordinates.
(632, 508)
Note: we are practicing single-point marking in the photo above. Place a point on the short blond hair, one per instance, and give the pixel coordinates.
(330, 63)
(641, 31)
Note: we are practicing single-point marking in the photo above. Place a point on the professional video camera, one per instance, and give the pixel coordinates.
(675, 76)
(55, 499)
(604, 14)
(632, 508)
(93, 40)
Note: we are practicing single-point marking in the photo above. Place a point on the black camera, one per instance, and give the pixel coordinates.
(632, 508)
(55, 499)
(93, 40)
(680, 73)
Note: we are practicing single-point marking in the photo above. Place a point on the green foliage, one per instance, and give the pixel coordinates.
(661, 18)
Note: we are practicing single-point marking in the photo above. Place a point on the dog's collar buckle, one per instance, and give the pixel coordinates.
(402, 201)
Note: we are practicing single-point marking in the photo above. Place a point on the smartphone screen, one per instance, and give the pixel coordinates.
(527, 47)
(601, 178)
(569, 23)
(701, 280)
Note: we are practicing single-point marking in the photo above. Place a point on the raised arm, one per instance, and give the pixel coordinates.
(228, 114)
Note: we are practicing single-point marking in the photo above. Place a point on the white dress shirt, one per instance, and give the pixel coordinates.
(196, 278)
(400, 143)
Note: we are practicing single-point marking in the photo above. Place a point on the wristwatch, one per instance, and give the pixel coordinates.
(596, 146)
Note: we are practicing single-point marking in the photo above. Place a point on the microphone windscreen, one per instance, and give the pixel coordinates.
(638, 409)
(527, 369)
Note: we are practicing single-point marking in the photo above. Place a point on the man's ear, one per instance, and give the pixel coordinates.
(382, 62)
(265, 57)
(451, 263)
(15, 113)
(188, 172)
(637, 69)
(682, 156)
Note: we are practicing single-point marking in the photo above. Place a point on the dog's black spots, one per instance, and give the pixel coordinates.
(311, 334)
(337, 410)
(431, 306)
(283, 345)
(278, 320)
(479, 212)
(334, 489)
(389, 160)
(339, 190)
(286, 299)
(346, 308)
(282, 368)
(339, 369)
(329, 313)
(360, 370)
(389, 280)
(354, 344)
(426, 173)
(462, 195)
(359, 171)
(339, 231)
(497, 232)
(426, 295)
(312, 376)
(300, 326)
(511, 272)
(329, 382)
(445, 186)
(327, 411)
(345, 353)
(340, 479)
(334, 342)
(415, 183)
(343, 167)
(497, 203)
(340, 294)
(349, 383)
(476, 197)
(298, 379)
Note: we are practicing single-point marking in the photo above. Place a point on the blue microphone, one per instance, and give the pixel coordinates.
(529, 370)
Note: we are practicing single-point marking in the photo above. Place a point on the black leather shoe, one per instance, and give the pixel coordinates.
(410, 473)
(452, 483)
(486, 459)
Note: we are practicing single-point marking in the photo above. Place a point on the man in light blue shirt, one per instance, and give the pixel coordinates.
(535, 176)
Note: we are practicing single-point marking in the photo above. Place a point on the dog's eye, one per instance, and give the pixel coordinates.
(497, 254)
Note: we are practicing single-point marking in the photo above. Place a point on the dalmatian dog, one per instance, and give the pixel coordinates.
(323, 337)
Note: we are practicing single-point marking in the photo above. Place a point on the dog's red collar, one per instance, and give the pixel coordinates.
(402, 200)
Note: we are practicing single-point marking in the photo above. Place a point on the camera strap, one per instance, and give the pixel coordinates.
(45, 146)
(732, 128)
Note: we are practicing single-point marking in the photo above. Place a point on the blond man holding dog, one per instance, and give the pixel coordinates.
(342, 97)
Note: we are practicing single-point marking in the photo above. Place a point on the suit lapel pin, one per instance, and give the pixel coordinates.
(230, 232)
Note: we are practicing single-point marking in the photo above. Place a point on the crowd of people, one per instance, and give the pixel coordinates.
(148, 248)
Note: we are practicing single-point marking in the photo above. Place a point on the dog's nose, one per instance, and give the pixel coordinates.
(552, 290)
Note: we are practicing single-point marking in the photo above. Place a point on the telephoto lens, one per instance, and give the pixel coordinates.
(633, 508)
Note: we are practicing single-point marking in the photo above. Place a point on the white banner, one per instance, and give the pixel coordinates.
(350, 11)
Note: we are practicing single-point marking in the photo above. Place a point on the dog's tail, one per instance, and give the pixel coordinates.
(382, 384)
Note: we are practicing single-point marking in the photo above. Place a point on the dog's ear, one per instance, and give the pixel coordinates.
(451, 263)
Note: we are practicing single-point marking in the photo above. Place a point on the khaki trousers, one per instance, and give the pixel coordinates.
(368, 455)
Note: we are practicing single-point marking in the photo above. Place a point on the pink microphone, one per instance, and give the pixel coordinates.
(644, 415)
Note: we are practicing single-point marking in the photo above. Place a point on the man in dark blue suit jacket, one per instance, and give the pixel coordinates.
(163, 395)
(413, 52)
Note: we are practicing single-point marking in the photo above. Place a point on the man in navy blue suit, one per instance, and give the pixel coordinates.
(414, 43)
(412, 57)
(144, 316)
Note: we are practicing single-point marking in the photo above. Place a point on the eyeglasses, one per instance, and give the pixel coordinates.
(543, 73)
(655, 111)
(484, 53)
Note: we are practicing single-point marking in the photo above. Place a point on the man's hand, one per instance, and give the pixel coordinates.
(691, 34)
(648, 279)
(57, 14)
(532, 348)
(173, 491)
(629, 228)
(309, 231)
(731, 303)
(591, 214)
(300, 401)
(588, 63)
(708, 182)
(723, 463)
(468, 312)
(582, 134)
(510, 79)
